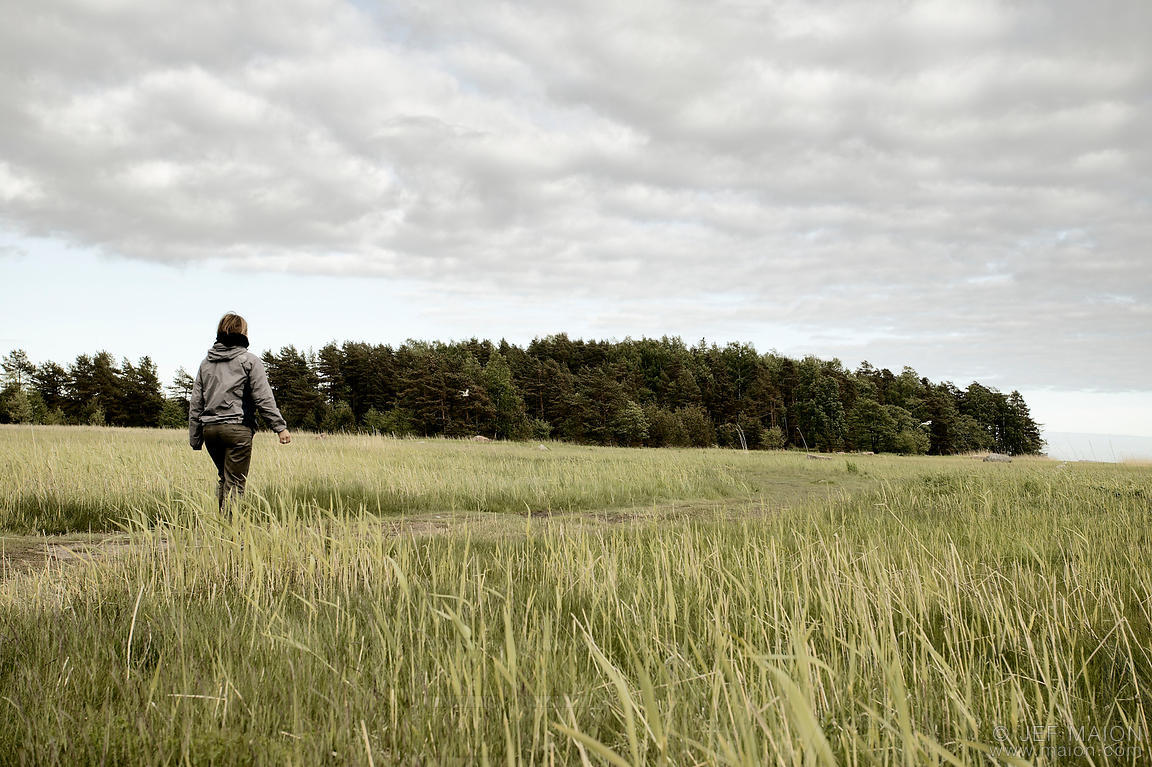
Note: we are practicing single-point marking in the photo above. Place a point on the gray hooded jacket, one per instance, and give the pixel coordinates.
(229, 387)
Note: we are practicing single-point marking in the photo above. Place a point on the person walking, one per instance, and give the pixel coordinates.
(230, 386)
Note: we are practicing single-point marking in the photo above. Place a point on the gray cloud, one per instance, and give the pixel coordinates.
(964, 184)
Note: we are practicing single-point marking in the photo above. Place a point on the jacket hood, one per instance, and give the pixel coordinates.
(221, 352)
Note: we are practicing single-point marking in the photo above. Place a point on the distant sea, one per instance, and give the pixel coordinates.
(1073, 446)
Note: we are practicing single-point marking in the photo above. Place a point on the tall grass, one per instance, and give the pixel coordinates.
(960, 613)
(59, 479)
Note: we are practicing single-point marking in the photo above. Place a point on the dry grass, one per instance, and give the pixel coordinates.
(913, 611)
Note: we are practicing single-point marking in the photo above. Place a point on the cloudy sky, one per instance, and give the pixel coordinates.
(963, 187)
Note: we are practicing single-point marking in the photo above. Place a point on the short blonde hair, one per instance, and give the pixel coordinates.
(232, 323)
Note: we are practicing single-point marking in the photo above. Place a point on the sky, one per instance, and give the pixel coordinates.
(964, 188)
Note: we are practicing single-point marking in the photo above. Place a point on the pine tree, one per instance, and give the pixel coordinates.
(141, 392)
(18, 369)
(51, 381)
(509, 416)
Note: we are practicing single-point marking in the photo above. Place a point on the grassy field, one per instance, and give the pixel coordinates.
(407, 602)
(63, 479)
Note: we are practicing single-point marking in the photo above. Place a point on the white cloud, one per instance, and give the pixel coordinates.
(963, 184)
(14, 185)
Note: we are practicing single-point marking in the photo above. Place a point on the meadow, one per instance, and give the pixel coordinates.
(379, 601)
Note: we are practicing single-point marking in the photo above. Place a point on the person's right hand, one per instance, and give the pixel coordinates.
(285, 437)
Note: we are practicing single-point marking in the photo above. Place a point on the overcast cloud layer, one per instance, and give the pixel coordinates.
(966, 182)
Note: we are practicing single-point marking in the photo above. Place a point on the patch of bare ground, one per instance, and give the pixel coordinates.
(21, 553)
(24, 553)
(496, 524)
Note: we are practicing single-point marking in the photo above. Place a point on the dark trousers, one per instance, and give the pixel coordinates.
(230, 445)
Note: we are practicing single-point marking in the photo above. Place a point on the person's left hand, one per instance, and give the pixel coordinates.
(285, 437)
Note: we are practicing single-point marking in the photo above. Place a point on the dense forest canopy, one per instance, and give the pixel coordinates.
(631, 392)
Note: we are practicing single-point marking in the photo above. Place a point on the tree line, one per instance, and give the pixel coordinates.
(633, 392)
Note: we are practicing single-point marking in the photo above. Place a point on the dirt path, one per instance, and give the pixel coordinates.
(21, 553)
(24, 553)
